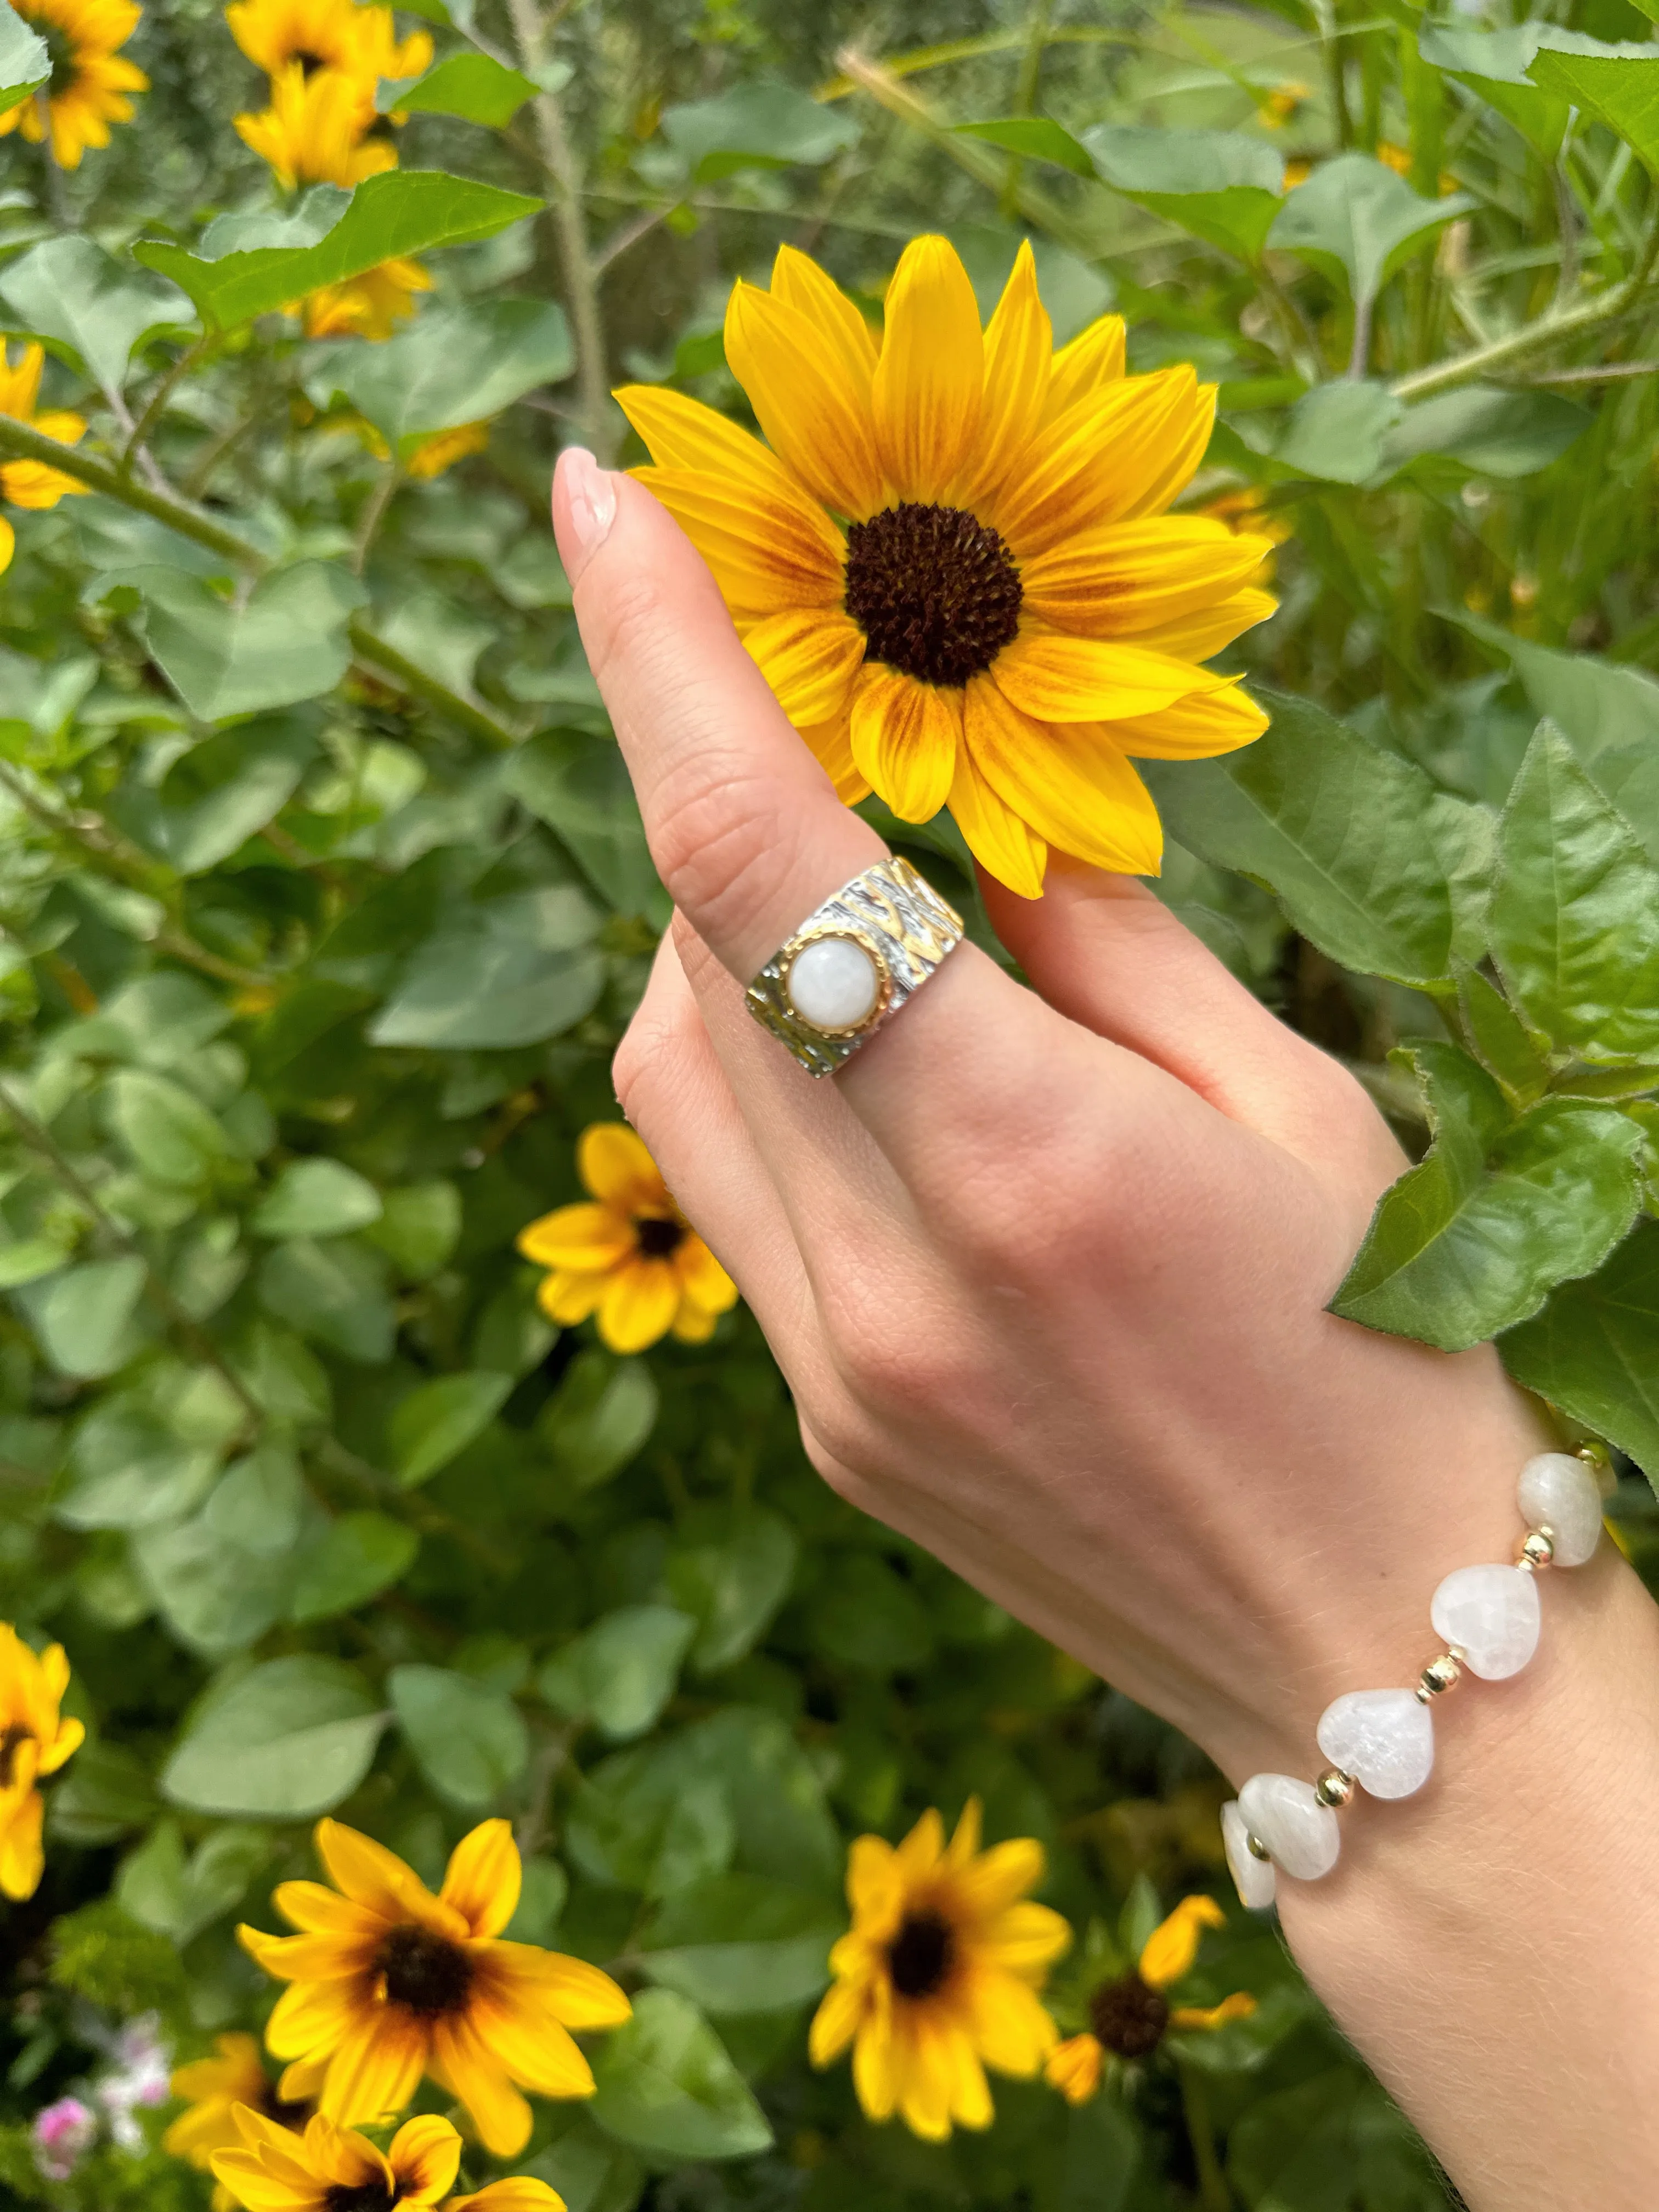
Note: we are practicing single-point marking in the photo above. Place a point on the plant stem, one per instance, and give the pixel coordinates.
(415, 680)
(1519, 345)
(374, 514)
(560, 160)
(157, 401)
(1213, 2193)
(1025, 92)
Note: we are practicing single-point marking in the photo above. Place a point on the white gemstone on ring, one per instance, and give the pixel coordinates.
(834, 983)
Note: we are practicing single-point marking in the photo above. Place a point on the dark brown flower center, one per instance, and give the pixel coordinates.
(309, 63)
(934, 590)
(360, 2196)
(10, 1744)
(286, 2115)
(1129, 2017)
(424, 1971)
(659, 1239)
(921, 1956)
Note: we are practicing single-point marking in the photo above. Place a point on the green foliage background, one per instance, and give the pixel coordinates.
(325, 903)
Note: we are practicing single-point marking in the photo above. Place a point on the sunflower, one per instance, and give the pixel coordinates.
(34, 483)
(1131, 2015)
(214, 2088)
(954, 565)
(938, 1977)
(388, 1982)
(359, 43)
(367, 306)
(631, 1257)
(334, 2169)
(313, 133)
(434, 455)
(89, 82)
(35, 1741)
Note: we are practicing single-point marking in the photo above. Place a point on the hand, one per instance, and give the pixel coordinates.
(1046, 1271)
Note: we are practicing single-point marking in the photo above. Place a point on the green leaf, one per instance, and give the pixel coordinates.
(179, 1897)
(601, 1415)
(440, 1419)
(1494, 64)
(286, 1741)
(1599, 703)
(622, 1673)
(83, 1318)
(1501, 1040)
(131, 1468)
(335, 1292)
(249, 265)
(83, 303)
(1594, 1350)
(543, 1888)
(1034, 138)
(578, 785)
(589, 2171)
(219, 793)
(761, 125)
(470, 1742)
(286, 641)
(1575, 913)
(103, 1794)
(353, 1560)
(1225, 186)
(665, 2083)
(1470, 1242)
(1358, 222)
(1621, 90)
(732, 1570)
(316, 1197)
(418, 1228)
(471, 86)
(509, 970)
(215, 1597)
(456, 364)
(171, 1136)
(867, 1615)
(736, 1944)
(642, 1822)
(1305, 2150)
(25, 65)
(1339, 431)
(1495, 433)
(1335, 826)
(258, 1502)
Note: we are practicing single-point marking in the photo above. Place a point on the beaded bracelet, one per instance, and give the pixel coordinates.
(1383, 1740)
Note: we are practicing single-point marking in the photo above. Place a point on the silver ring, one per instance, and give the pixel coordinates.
(882, 935)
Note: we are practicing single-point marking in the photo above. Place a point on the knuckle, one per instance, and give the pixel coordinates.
(895, 1353)
(654, 1047)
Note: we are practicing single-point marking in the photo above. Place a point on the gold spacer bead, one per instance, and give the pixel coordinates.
(1537, 1550)
(1439, 1675)
(1333, 1787)
(1257, 1849)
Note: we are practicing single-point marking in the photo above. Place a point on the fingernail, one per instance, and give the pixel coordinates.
(590, 503)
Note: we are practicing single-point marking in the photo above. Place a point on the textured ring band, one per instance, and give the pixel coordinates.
(852, 964)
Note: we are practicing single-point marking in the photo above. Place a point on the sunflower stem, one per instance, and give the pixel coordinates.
(139, 431)
(1025, 93)
(1213, 2193)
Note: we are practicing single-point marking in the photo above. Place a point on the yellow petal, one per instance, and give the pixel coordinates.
(425, 2157)
(928, 2084)
(702, 1279)
(835, 2022)
(799, 283)
(22, 1862)
(971, 2093)
(692, 1324)
(314, 2016)
(8, 544)
(1001, 1874)
(638, 1306)
(875, 2067)
(1025, 1940)
(1239, 2006)
(1073, 2068)
(1001, 840)
(832, 743)
(370, 1874)
(1192, 729)
(569, 1990)
(1132, 576)
(586, 1238)
(483, 1878)
(1164, 476)
(1090, 465)
(929, 381)
(810, 657)
(682, 434)
(566, 1298)
(906, 737)
(1094, 358)
(470, 2072)
(1057, 678)
(1018, 343)
(615, 1167)
(964, 1842)
(875, 1883)
(923, 1847)
(1170, 1950)
(1076, 790)
(1196, 636)
(805, 400)
(519, 2193)
(766, 553)
(376, 2069)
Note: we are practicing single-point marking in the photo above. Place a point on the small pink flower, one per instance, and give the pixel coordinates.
(64, 2133)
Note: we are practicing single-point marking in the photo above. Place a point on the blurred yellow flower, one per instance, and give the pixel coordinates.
(631, 1257)
(1247, 512)
(334, 2169)
(1132, 2016)
(35, 1740)
(938, 1977)
(34, 483)
(313, 133)
(213, 2088)
(368, 306)
(8, 544)
(90, 82)
(359, 43)
(434, 454)
(387, 1983)
(1276, 109)
(954, 564)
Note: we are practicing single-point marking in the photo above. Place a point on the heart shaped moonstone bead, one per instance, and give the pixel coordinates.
(1492, 1614)
(1558, 1492)
(1253, 1877)
(1383, 1738)
(1301, 1833)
